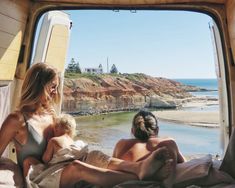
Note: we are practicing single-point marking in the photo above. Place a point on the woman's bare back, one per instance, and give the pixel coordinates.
(135, 150)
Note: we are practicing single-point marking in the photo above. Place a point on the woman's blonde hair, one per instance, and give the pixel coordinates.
(68, 123)
(34, 87)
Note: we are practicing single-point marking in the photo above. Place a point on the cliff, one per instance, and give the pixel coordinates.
(113, 92)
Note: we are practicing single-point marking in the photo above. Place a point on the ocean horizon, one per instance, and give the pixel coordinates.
(207, 83)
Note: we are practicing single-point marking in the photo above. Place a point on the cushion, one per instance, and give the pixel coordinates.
(10, 174)
(188, 173)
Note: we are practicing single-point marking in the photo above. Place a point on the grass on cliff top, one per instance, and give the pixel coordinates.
(73, 75)
(96, 77)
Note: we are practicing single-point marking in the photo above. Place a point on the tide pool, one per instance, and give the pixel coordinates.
(103, 131)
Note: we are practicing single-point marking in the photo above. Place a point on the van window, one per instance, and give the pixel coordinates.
(117, 62)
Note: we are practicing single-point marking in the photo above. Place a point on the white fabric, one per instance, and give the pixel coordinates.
(43, 176)
(193, 169)
(200, 171)
(76, 151)
(48, 176)
(4, 103)
(196, 173)
(10, 174)
(4, 108)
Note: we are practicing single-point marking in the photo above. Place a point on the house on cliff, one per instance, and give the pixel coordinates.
(93, 70)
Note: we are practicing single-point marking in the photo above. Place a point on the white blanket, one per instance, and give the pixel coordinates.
(48, 176)
(196, 173)
(10, 174)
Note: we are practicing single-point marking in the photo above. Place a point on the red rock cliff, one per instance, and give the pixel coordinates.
(100, 93)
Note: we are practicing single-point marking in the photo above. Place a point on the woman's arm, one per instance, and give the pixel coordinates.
(9, 129)
(48, 154)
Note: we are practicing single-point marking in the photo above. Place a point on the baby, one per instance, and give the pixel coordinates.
(64, 130)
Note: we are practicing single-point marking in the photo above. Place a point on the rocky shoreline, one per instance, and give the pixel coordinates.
(172, 113)
(201, 118)
(96, 94)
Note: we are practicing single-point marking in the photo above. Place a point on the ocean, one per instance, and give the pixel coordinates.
(103, 131)
(203, 83)
(210, 84)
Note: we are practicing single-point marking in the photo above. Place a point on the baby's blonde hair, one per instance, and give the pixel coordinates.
(68, 122)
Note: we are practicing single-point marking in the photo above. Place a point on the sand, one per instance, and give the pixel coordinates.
(205, 119)
(195, 118)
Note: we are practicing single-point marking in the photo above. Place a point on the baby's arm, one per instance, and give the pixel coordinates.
(48, 154)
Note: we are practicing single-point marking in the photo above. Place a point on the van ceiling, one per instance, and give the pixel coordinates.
(130, 2)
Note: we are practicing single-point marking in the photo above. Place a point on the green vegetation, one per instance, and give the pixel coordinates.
(113, 69)
(135, 76)
(73, 67)
(97, 77)
(93, 77)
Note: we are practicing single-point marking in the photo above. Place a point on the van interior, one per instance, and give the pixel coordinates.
(20, 45)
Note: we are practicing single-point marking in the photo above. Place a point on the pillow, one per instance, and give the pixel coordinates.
(188, 173)
(10, 174)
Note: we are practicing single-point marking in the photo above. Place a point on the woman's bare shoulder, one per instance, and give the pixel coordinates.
(14, 118)
(159, 141)
(126, 141)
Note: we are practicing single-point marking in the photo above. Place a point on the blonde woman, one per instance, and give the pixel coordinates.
(30, 127)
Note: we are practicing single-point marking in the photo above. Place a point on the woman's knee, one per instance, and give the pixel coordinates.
(75, 168)
(169, 143)
(71, 173)
(171, 146)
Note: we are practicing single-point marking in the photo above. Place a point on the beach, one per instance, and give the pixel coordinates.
(196, 118)
(203, 119)
(185, 124)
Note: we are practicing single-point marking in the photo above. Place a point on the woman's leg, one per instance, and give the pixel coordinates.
(77, 171)
(145, 168)
(119, 171)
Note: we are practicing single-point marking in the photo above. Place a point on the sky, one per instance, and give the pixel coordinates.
(170, 44)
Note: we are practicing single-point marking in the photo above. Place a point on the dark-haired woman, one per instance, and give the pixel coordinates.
(145, 130)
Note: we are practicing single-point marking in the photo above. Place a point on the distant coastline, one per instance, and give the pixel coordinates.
(206, 83)
(107, 93)
(199, 118)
